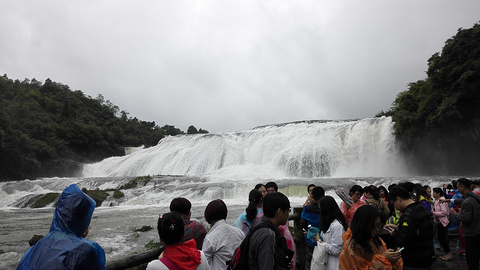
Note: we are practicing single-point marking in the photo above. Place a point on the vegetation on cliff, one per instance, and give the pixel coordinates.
(46, 129)
(437, 120)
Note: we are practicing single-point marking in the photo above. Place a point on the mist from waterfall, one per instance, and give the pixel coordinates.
(363, 147)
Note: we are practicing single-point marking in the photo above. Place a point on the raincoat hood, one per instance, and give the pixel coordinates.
(64, 247)
(73, 212)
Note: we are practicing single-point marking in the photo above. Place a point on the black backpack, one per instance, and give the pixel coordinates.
(240, 256)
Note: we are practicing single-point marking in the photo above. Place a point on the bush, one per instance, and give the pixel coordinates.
(117, 194)
(43, 200)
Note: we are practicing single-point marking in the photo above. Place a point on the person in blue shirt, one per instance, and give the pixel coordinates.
(311, 213)
(65, 247)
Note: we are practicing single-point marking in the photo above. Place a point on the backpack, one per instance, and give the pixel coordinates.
(240, 256)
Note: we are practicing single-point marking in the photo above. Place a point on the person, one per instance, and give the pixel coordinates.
(372, 197)
(440, 214)
(423, 197)
(383, 193)
(470, 218)
(309, 199)
(409, 187)
(311, 214)
(447, 190)
(428, 189)
(455, 225)
(414, 231)
(177, 254)
(272, 187)
(356, 193)
(252, 213)
(476, 186)
(332, 225)
(65, 246)
(262, 189)
(268, 248)
(222, 239)
(194, 229)
(362, 248)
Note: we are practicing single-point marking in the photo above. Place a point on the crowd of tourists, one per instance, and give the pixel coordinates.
(398, 227)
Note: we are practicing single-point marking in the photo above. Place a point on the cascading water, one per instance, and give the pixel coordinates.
(304, 149)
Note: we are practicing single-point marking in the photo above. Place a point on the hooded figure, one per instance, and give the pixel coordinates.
(65, 246)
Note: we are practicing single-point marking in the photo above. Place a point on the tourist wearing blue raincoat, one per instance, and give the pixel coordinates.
(65, 246)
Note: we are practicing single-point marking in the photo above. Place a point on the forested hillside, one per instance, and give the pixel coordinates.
(46, 129)
(437, 120)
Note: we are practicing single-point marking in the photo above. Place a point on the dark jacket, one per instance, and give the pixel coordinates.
(470, 214)
(268, 248)
(415, 234)
(64, 247)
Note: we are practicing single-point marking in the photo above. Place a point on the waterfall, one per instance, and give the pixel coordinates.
(363, 147)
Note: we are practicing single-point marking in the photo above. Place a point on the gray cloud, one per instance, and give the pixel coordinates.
(230, 65)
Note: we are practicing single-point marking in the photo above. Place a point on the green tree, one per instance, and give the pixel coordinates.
(192, 130)
(437, 120)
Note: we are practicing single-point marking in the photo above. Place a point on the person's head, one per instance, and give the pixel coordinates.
(372, 191)
(390, 187)
(255, 200)
(181, 205)
(310, 188)
(420, 193)
(400, 198)
(383, 192)
(271, 187)
(171, 228)
(428, 189)
(216, 210)
(262, 189)
(329, 212)
(276, 206)
(454, 184)
(365, 226)
(476, 184)
(409, 187)
(73, 212)
(437, 193)
(318, 193)
(464, 185)
(356, 192)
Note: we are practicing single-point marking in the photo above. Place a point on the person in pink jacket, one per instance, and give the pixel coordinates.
(348, 211)
(440, 213)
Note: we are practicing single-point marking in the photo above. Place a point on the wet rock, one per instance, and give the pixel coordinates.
(35, 239)
(144, 229)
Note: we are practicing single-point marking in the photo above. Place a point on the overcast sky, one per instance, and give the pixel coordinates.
(231, 65)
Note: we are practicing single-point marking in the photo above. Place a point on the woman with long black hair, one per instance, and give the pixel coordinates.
(252, 213)
(332, 226)
(362, 248)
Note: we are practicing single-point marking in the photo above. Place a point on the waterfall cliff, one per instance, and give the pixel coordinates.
(363, 147)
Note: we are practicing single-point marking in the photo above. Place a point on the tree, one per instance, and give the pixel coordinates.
(192, 130)
(437, 120)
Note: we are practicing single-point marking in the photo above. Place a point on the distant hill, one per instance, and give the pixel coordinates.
(437, 120)
(47, 130)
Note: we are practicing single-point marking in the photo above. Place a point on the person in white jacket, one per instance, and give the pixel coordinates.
(332, 227)
(223, 239)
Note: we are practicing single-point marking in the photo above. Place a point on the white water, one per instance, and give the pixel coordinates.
(307, 149)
